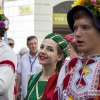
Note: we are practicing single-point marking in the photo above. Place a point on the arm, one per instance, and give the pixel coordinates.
(6, 77)
(18, 82)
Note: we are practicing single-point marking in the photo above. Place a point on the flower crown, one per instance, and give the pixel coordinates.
(3, 23)
(93, 5)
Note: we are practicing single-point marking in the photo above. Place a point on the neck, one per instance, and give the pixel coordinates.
(95, 50)
(89, 54)
(33, 53)
(0, 38)
(73, 54)
(47, 72)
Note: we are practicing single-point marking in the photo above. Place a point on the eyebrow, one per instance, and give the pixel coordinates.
(48, 46)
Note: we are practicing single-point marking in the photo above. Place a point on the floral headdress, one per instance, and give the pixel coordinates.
(4, 23)
(93, 5)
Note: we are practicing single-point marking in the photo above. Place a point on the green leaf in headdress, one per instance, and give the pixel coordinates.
(50, 35)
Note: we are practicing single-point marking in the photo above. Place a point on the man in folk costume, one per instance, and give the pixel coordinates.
(8, 63)
(79, 79)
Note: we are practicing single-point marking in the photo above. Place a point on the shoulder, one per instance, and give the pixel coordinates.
(6, 53)
(71, 64)
(25, 56)
(34, 78)
(68, 66)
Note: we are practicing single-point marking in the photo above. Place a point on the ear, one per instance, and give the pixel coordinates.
(60, 56)
(70, 45)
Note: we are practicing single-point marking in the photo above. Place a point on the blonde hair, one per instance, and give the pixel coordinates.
(23, 50)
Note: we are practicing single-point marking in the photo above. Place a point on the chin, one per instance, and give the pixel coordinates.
(81, 49)
(41, 62)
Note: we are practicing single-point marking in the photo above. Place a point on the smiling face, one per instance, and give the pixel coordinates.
(87, 36)
(48, 53)
(33, 45)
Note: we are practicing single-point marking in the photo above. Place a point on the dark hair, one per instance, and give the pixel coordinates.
(11, 39)
(81, 14)
(31, 37)
(84, 14)
(59, 63)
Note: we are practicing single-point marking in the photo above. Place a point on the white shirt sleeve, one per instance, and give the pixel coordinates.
(19, 68)
(6, 77)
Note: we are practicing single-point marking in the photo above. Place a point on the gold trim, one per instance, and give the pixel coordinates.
(37, 93)
(64, 48)
(42, 80)
(61, 42)
(53, 36)
(31, 92)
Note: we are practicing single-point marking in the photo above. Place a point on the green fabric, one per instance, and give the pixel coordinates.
(41, 85)
(32, 85)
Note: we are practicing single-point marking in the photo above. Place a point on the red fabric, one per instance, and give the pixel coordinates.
(8, 62)
(15, 90)
(65, 81)
(55, 96)
(50, 87)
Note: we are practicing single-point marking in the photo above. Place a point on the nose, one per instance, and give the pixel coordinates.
(77, 33)
(33, 46)
(43, 50)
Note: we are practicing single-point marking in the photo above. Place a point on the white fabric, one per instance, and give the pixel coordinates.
(62, 75)
(91, 79)
(24, 69)
(7, 75)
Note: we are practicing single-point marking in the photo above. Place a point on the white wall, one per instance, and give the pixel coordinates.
(42, 18)
(20, 26)
(39, 23)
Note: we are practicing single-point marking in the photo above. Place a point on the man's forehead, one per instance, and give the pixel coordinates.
(11, 41)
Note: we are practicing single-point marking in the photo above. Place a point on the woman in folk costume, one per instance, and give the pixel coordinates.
(82, 80)
(51, 54)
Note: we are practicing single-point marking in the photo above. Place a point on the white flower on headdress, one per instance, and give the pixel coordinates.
(6, 23)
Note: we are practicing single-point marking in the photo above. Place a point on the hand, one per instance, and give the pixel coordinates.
(18, 96)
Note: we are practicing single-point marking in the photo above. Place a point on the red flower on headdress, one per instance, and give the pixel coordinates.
(93, 1)
(70, 38)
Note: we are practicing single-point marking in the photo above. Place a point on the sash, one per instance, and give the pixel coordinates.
(32, 81)
(50, 87)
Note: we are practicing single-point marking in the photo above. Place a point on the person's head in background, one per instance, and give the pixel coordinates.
(52, 52)
(23, 51)
(32, 44)
(11, 42)
(72, 47)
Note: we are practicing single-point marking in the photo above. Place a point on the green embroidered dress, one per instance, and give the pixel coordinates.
(41, 90)
(35, 87)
